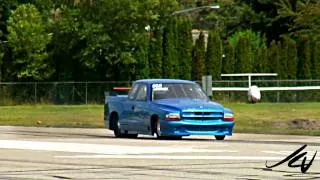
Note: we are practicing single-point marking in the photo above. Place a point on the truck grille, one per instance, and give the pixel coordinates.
(202, 115)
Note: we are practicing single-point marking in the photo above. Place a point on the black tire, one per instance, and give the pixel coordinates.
(133, 136)
(173, 137)
(157, 130)
(220, 138)
(117, 130)
(116, 127)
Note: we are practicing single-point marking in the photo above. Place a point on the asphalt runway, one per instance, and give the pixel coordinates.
(63, 153)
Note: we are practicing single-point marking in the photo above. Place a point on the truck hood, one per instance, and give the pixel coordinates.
(184, 104)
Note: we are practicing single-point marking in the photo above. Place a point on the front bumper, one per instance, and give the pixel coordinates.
(196, 127)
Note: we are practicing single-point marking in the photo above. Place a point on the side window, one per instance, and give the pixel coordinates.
(142, 93)
(133, 92)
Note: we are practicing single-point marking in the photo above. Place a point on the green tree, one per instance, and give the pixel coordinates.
(315, 60)
(274, 58)
(289, 62)
(289, 48)
(243, 53)
(304, 58)
(283, 56)
(185, 48)
(5, 8)
(228, 62)
(142, 67)
(1, 60)
(67, 44)
(274, 65)
(233, 16)
(261, 62)
(254, 42)
(303, 16)
(279, 17)
(169, 57)
(214, 55)
(99, 39)
(28, 40)
(175, 50)
(6, 60)
(155, 55)
(156, 14)
(118, 37)
(198, 60)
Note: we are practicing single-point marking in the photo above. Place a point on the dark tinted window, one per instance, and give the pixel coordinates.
(174, 90)
(142, 93)
(133, 91)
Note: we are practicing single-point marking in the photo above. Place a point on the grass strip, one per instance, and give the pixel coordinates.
(266, 118)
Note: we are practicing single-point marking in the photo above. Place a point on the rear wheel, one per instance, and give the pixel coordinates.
(220, 138)
(117, 130)
(117, 127)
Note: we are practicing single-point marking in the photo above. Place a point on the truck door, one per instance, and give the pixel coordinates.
(127, 113)
(141, 110)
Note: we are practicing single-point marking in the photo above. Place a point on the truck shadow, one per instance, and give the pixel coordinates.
(228, 140)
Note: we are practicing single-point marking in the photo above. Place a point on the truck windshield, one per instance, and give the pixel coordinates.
(175, 90)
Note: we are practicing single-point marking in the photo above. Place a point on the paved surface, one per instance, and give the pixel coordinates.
(61, 153)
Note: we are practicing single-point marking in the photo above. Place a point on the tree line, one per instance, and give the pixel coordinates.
(92, 40)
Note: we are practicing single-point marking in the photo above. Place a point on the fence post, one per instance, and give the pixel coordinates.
(35, 92)
(86, 92)
(57, 95)
(2, 92)
(72, 93)
(229, 93)
(278, 93)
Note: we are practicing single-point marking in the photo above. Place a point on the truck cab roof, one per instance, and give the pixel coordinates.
(156, 81)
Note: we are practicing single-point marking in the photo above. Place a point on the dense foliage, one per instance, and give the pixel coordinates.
(99, 40)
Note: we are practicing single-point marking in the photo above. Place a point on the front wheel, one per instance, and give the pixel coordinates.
(158, 129)
(159, 136)
(220, 138)
(133, 136)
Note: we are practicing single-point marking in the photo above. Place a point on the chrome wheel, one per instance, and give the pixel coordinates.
(158, 129)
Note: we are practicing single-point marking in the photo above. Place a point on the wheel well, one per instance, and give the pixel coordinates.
(113, 116)
(154, 119)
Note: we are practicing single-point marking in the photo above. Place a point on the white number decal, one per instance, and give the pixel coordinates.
(156, 86)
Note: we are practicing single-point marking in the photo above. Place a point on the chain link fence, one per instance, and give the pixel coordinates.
(16, 93)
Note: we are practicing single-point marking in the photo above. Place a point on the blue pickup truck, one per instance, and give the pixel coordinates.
(168, 108)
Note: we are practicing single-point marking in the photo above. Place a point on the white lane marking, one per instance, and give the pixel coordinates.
(246, 158)
(98, 148)
(287, 153)
(278, 152)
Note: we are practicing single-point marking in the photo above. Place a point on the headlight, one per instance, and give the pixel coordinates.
(173, 117)
(228, 117)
